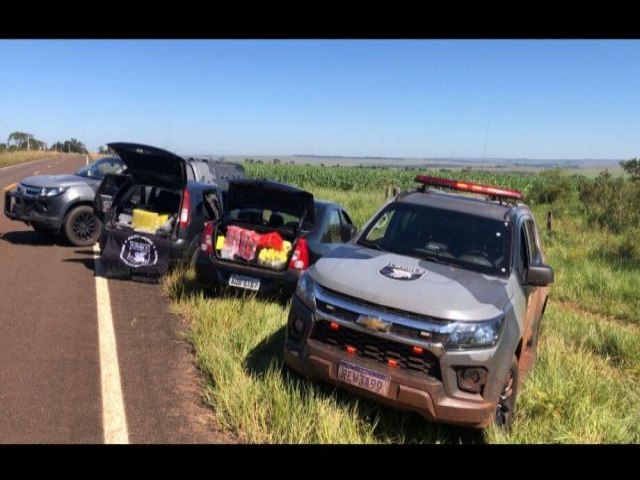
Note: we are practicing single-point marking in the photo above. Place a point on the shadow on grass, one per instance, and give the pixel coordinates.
(391, 425)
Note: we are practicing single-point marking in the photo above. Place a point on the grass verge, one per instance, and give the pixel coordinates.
(585, 387)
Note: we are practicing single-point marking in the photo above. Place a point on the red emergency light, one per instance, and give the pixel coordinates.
(469, 187)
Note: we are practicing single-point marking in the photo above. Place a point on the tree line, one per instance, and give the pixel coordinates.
(27, 141)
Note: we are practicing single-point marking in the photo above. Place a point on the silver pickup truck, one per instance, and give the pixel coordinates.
(434, 307)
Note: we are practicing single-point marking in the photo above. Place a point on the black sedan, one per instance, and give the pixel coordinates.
(268, 235)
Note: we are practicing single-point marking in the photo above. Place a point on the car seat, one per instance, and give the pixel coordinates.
(251, 216)
(167, 202)
(275, 220)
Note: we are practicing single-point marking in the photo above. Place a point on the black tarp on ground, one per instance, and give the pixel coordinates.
(130, 254)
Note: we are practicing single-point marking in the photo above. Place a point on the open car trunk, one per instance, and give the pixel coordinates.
(148, 209)
(255, 245)
(262, 223)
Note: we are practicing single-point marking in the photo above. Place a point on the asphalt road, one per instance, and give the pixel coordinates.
(50, 384)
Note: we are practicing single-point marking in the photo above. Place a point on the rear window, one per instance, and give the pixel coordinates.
(154, 199)
(458, 239)
(264, 218)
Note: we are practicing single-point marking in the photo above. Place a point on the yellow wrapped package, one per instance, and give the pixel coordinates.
(272, 258)
(146, 221)
(219, 242)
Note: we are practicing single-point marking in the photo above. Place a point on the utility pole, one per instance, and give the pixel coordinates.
(28, 145)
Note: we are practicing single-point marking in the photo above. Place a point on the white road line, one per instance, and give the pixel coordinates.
(114, 420)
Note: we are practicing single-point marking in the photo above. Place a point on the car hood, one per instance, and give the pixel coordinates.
(265, 194)
(152, 166)
(54, 181)
(411, 284)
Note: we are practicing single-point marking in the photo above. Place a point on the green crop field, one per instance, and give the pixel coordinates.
(585, 387)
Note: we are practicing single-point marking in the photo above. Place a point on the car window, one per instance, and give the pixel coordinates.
(264, 217)
(332, 233)
(100, 168)
(346, 220)
(523, 261)
(531, 240)
(191, 175)
(379, 229)
(443, 236)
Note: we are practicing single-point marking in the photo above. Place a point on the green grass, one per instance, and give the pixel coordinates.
(585, 387)
(586, 272)
(238, 342)
(14, 158)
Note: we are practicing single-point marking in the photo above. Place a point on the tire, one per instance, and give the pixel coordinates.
(192, 252)
(81, 227)
(506, 405)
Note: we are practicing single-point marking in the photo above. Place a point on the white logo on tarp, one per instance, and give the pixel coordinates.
(401, 272)
(138, 251)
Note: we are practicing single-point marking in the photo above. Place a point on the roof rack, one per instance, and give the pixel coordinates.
(492, 191)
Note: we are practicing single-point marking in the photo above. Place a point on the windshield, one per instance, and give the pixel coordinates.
(453, 238)
(100, 168)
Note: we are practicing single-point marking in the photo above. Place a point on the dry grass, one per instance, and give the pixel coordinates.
(14, 158)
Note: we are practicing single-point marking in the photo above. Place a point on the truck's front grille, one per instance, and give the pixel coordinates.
(29, 190)
(424, 329)
(377, 348)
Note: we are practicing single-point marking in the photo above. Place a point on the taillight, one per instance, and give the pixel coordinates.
(207, 238)
(300, 257)
(186, 207)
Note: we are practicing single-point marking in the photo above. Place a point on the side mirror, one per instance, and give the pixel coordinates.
(539, 275)
(347, 232)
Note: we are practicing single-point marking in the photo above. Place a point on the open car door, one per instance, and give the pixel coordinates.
(110, 185)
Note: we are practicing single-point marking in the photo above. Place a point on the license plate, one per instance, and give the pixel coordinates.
(364, 378)
(244, 282)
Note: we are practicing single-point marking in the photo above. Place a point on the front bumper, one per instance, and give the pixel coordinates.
(437, 398)
(38, 211)
(211, 272)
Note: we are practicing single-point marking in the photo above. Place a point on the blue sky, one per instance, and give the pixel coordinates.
(555, 99)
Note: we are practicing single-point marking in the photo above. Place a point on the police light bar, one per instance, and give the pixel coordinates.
(469, 187)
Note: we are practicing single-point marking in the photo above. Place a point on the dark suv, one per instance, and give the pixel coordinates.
(158, 182)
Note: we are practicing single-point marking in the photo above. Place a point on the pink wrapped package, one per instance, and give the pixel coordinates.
(241, 242)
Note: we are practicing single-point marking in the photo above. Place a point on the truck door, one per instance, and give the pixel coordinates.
(529, 254)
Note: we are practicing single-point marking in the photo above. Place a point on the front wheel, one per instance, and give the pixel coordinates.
(82, 227)
(507, 401)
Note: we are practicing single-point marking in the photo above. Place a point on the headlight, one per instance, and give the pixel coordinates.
(52, 192)
(475, 334)
(306, 290)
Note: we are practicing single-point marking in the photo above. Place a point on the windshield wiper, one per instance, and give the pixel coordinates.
(432, 258)
(370, 244)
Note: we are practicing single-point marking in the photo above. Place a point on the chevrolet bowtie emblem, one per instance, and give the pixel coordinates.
(374, 323)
